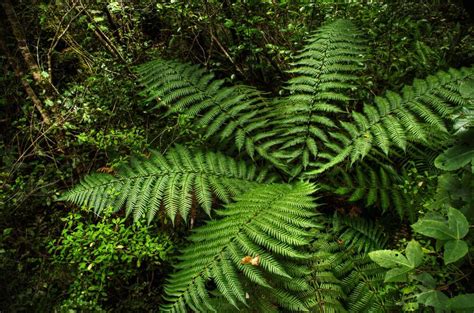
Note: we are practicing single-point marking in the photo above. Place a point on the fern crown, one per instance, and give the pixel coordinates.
(311, 132)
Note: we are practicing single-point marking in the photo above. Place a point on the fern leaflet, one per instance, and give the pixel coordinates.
(239, 112)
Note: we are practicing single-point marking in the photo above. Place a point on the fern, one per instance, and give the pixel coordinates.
(362, 282)
(396, 120)
(301, 127)
(378, 186)
(328, 294)
(359, 234)
(258, 300)
(306, 131)
(325, 74)
(177, 181)
(269, 222)
(238, 112)
(343, 277)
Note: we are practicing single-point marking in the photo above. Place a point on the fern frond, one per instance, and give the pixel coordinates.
(258, 300)
(235, 113)
(342, 279)
(397, 119)
(172, 181)
(363, 285)
(376, 185)
(325, 73)
(360, 235)
(246, 229)
(328, 294)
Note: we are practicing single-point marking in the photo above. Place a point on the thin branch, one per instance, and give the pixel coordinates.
(57, 36)
(26, 85)
(102, 36)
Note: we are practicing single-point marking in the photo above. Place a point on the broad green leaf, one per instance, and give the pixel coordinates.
(455, 157)
(455, 189)
(464, 121)
(462, 302)
(457, 223)
(434, 298)
(389, 259)
(426, 279)
(414, 253)
(454, 250)
(458, 156)
(433, 228)
(398, 274)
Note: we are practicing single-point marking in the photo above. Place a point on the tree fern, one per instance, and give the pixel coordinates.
(325, 73)
(175, 181)
(396, 119)
(302, 126)
(269, 223)
(255, 254)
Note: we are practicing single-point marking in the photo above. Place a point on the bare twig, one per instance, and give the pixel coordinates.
(237, 67)
(57, 37)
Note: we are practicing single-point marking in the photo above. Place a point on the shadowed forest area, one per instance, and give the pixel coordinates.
(236, 156)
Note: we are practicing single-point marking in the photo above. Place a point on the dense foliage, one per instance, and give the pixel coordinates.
(255, 156)
(104, 254)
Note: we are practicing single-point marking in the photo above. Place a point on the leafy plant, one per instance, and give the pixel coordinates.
(449, 233)
(312, 132)
(102, 254)
(398, 264)
(413, 268)
(456, 182)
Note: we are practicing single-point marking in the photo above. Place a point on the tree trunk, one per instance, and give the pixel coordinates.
(29, 60)
(23, 46)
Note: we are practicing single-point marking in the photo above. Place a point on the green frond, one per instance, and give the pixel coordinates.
(325, 73)
(344, 279)
(360, 234)
(327, 292)
(364, 286)
(171, 181)
(234, 113)
(247, 229)
(376, 185)
(397, 119)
